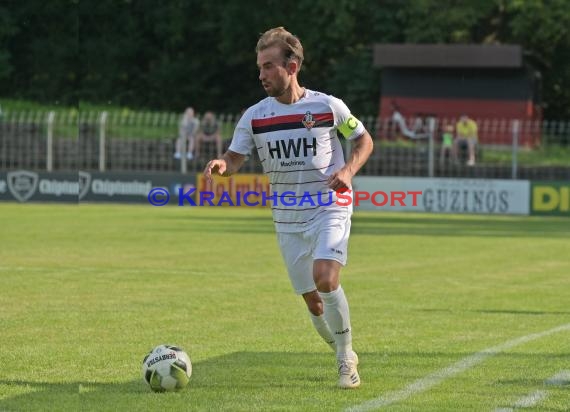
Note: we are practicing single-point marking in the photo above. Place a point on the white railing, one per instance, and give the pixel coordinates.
(100, 140)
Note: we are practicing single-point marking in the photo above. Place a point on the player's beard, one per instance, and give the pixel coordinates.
(276, 90)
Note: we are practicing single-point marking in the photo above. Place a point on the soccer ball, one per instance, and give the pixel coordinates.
(166, 368)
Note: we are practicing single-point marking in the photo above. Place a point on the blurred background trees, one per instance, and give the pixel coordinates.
(170, 54)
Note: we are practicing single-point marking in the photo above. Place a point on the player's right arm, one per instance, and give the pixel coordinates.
(227, 165)
(233, 159)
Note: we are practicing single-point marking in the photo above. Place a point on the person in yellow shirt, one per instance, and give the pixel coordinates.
(466, 132)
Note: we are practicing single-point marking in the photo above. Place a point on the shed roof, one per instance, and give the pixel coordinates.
(448, 55)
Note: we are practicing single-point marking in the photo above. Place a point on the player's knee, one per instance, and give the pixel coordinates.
(326, 283)
(326, 275)
(316, 308)
(314, 303)
(321, 284)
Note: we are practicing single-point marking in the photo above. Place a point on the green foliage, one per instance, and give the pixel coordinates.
(546, 155)
(8, 29)
(544, 29)
(447, 21)
(191, 52)
(42, 51)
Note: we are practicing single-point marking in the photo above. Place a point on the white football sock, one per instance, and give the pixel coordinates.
(338, 319)
(323, 329)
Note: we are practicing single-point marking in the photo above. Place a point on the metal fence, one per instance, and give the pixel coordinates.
(136, 141)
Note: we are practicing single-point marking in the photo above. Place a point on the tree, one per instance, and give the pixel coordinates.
(8, 29)
(543, 29)
(176, 53)
(41, 50)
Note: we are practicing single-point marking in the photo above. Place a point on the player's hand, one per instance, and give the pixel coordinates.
(340, 180)
(214, 166)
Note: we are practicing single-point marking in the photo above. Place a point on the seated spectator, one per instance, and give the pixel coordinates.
(187, 134)
(466, 132)
(209, 132)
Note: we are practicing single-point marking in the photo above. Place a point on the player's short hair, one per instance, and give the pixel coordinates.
(289, 44)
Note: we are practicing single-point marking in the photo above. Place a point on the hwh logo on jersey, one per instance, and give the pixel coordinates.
(283, 148)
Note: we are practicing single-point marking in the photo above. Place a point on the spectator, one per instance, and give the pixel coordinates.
(209, 132)
(446, 144)
(466, 133)
(187, 134)
(419, 130)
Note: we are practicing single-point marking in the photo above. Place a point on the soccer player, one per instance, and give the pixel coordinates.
(294, 131)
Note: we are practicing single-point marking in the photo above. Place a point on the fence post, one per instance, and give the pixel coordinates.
(183, 151)
(49, 142)
(515, 130)
(431, 123)
(102, 125)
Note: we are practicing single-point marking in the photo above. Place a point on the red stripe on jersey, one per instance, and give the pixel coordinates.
(292, 118)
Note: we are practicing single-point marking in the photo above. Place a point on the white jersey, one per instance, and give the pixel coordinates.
(299, 149)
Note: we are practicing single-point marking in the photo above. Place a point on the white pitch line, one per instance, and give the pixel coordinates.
(433, 379)
(561, 378)
(530, 400)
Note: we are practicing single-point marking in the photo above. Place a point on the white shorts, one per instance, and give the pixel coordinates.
(326, 239)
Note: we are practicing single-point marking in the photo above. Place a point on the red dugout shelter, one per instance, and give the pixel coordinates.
(490, 83)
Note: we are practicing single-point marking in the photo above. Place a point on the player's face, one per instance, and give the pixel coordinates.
(273, 73)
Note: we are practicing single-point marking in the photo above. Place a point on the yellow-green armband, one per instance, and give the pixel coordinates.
(348, 126)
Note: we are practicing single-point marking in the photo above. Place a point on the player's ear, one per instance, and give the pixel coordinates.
(292, 67)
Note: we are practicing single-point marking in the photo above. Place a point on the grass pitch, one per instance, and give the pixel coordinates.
(449, 313)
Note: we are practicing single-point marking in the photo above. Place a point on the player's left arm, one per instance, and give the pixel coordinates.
(362, 147)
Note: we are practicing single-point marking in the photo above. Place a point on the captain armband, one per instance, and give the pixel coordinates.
(348, 126)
